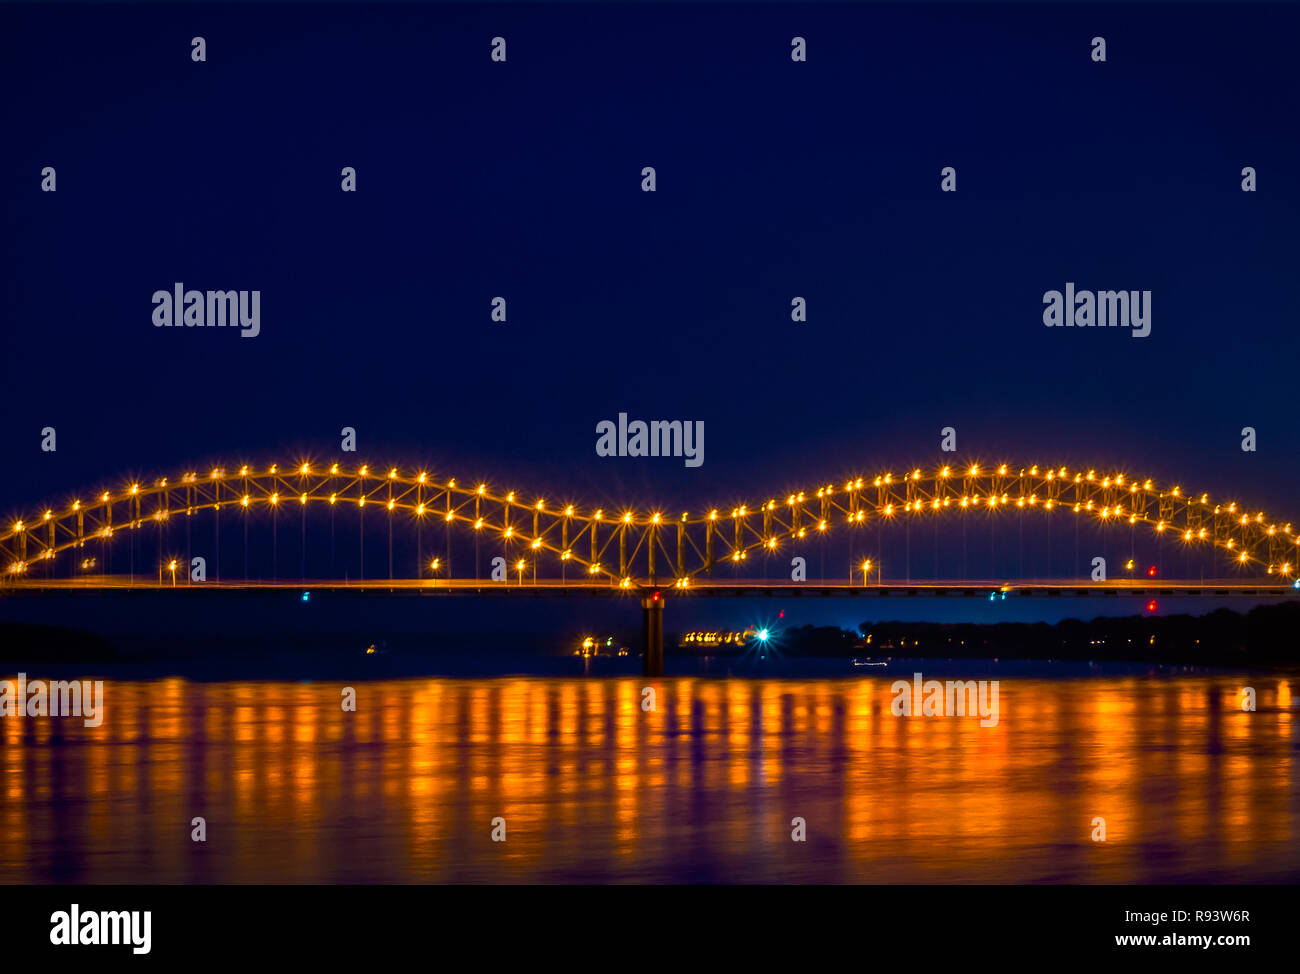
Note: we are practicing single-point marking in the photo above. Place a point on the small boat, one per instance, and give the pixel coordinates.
(867, 661)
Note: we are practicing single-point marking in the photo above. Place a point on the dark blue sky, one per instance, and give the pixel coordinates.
(775, 179)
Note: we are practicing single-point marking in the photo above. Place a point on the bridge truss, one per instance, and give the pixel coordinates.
(632, 549)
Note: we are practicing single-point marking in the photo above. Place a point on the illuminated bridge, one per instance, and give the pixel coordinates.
(474, 538)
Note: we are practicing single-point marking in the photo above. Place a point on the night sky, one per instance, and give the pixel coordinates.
(775, 179)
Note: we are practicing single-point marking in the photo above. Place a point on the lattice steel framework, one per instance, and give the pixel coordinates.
(627, 548)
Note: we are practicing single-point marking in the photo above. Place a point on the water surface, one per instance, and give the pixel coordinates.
(704, 788)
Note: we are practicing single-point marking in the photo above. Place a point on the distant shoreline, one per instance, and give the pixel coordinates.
(1263, 638)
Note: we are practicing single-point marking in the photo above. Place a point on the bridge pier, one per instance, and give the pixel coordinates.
(652, 634)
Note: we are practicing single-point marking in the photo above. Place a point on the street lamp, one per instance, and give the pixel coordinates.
(171, 567)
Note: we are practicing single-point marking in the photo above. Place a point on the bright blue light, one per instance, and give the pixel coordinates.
(1296, 583)
(306, 596)
(762, 635)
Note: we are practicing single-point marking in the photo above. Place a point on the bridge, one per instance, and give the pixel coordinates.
(537, 547)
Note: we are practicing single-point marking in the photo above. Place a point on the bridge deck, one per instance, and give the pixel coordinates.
(1145, 588)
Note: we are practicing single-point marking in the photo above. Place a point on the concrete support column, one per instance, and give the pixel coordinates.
(652, 634)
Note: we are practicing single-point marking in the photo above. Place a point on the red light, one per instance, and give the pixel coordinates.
(1151, 572)
(1151, 606)
(781, 614)
(655, 597)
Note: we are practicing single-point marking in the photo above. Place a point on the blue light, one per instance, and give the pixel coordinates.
(306, 596)
(1296, 583)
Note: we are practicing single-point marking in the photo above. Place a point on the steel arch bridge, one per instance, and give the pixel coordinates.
(562, 546)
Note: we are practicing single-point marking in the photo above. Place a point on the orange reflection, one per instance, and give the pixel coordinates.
(593, 785)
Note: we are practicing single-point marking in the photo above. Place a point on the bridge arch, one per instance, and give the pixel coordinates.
(627, 548)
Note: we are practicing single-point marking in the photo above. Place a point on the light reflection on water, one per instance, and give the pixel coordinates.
(703, 789)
